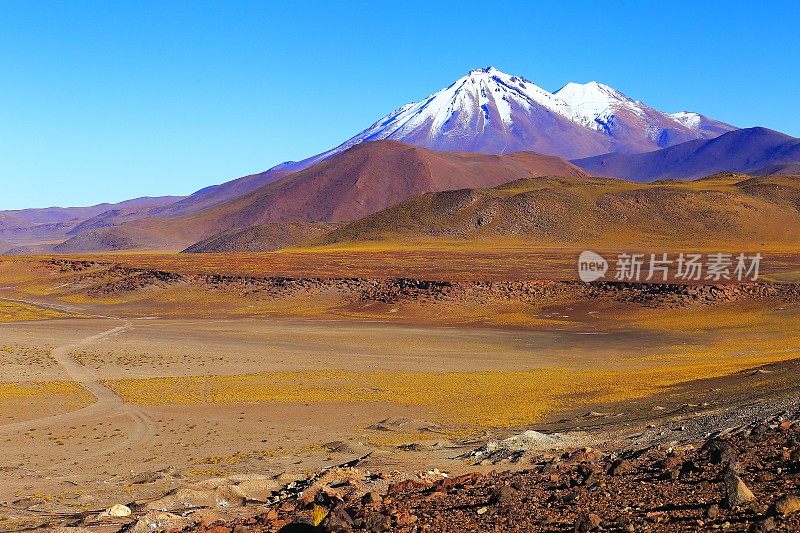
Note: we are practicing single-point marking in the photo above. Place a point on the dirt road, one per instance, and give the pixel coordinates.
(107, 405)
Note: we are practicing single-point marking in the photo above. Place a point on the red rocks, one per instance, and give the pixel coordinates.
(407, 486)
(587, 522)
(620, 467)
(759, 487)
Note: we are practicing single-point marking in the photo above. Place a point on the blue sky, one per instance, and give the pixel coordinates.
(108, 100)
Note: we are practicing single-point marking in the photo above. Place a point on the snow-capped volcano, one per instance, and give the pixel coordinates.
(493, 112)
(595, 105)
(634, 126)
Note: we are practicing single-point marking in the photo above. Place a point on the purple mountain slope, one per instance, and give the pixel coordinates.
(750, 151)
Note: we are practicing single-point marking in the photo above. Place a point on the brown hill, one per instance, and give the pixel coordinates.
(719, 210)
(347, 186)
(375, 175)
(263, 238)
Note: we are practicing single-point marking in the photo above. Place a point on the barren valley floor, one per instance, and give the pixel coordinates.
(109, 395)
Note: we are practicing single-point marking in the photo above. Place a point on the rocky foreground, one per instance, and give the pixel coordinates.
(743, 480)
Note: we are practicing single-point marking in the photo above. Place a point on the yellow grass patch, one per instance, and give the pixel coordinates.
(488, 398)
(45, 389)
(16, 311)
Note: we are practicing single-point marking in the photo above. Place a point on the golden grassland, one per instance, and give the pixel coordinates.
(486, 399)
(755, 318)
(68, 391)
(17, 311)
(740, 337)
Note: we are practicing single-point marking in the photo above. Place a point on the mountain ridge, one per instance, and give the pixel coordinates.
(750, 151)
(490, 111)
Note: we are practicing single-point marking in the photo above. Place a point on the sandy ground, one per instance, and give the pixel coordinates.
(91, 406)
(49, 450)
(87, 457)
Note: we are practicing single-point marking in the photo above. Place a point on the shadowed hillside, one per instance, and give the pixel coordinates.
(757, 151)
(553, 211)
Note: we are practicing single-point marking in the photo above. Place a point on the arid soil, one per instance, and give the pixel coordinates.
(743, 480)
(196, 398)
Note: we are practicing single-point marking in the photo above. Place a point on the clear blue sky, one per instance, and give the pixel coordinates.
(108, 100)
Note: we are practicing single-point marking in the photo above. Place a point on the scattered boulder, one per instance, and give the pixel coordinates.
(159, 521)
(786, 505)
(587, 522)
(736, 491)
(117, 511)
(620, 467)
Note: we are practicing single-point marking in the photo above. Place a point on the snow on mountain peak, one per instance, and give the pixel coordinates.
(485, 70)
(688, 118)
(595, 104)
(481, 96)
(487, 110)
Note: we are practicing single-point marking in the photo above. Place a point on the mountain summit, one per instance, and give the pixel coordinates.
(633, 125)
(493, 112)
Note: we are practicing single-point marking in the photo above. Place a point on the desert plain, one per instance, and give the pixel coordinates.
(127, 376)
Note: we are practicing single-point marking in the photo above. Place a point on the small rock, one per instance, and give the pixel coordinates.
(721, 452)
(713, 511)
(570, 497)
(620, 466)
(788, 504)
(117, 511)
(587, 522)
(371, 497)
(377, 522)
(405, 519)
(337, 447)
(160, 521)
(670, 463)
(338, 519)
(482, 510)
(146, 477)
(504, 495)
(735, 489)
(768, 524)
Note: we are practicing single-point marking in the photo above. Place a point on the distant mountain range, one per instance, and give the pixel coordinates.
(41, 229)
(486, 129)
(347, 186)
(757, 151)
